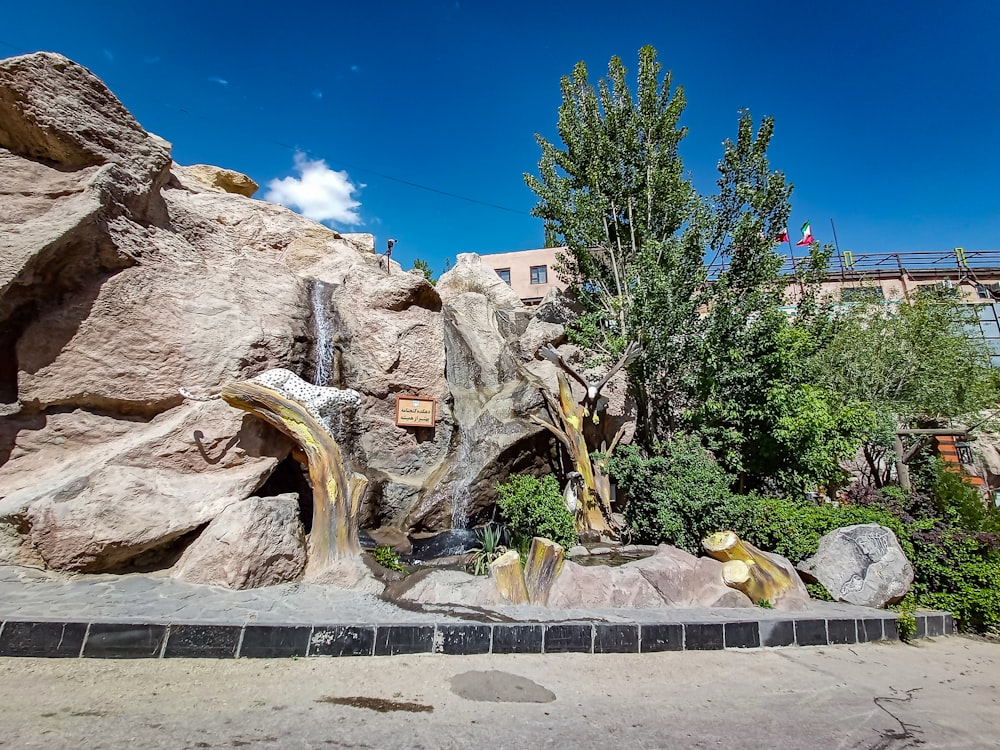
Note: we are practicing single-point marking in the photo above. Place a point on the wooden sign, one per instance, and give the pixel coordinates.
(414, 411)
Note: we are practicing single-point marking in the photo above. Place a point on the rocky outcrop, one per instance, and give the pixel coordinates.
(255, 542)
(862, 564)
(124, 277)
(226, 180)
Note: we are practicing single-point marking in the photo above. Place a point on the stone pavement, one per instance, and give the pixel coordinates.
(135, 615)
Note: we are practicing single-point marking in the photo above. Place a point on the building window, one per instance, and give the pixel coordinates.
(504, 274)
(861, 293)
(539, 274)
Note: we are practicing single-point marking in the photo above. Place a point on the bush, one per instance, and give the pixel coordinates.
(677, 496)
(945, 535)
(793, 528)
(387, 557)
(536, 508)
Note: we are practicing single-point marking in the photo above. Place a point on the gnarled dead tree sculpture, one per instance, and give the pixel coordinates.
(758, 574)
(593, 507)
(301, 411)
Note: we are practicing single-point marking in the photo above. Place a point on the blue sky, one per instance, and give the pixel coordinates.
(886, 116)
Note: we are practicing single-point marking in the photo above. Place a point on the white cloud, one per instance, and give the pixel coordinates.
(220, 81)
(319, 193)
(108, 54)
(355, 68)
(317, 94)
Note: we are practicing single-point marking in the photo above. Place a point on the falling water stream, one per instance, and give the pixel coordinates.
(323, 342)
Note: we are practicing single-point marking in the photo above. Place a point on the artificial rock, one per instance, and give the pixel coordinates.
(862, 564)
(125, 277)
(251, 543)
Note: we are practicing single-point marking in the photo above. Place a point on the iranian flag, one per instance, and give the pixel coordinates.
(807, 235)
(783, 237)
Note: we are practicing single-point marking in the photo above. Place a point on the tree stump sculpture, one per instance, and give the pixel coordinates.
(758, 574)
(532, 583)
(593, 510)
(301, 411)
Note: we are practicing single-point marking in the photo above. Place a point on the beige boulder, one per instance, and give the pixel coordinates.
(251, 543)
(684, 580)
(470, 274)
(226, 180)
(94, 493)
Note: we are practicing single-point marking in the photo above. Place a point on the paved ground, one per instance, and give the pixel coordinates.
(941, 693)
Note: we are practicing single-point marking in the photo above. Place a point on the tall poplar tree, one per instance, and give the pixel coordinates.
(616, 196)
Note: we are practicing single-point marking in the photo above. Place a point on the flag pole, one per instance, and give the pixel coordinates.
(834, 228)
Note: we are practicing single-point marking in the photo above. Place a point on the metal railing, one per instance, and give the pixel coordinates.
(851, 265)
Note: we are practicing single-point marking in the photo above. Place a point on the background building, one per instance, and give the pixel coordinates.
(530, 273)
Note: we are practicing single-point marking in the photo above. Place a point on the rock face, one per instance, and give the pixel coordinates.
(124, 277)
(861, 564)
(225, 180)
(668, 578)
(255, 542)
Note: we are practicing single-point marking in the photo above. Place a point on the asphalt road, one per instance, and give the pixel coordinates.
(939, 693)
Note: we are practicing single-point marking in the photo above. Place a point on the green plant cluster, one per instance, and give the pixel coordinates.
(533, 507)
(677, 496)
(387, 557)
(489, 549)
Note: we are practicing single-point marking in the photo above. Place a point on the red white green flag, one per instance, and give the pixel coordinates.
(782, 236)
(807, 235)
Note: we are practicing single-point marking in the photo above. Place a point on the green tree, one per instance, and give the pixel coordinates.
(748, 335)
(916, 363)
(616, 196)
(424, 267)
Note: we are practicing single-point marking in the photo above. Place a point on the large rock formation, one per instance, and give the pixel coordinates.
(124, 277)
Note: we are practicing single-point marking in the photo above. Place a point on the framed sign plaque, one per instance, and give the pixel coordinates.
(414, 411)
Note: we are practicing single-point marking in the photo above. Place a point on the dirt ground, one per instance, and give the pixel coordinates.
(938, 693)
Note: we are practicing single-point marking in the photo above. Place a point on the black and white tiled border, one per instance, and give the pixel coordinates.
(131, 641)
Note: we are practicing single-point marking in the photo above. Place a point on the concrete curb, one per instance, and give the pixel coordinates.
(118, 640)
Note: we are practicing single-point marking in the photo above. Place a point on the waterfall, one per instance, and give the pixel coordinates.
(460, 489)
(460, 505)
(322, 340)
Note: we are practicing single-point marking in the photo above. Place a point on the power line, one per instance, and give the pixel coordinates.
(400, 180)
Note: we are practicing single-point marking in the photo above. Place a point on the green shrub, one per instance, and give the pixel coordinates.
(536, 508)
(947, 536)
(677, 496)
(793, 528)
(387, 557)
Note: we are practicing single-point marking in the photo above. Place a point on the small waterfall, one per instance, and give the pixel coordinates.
(322, 338)
(460, 489)
(460, 505)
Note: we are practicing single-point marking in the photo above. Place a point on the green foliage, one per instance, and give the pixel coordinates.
(906, 623)
(793, 528)
(908, 364)
(948, 537)
(424, 267)
(956, 537)
(387, 557)
(676, 496)
(617, 197)
(536, 508)
(489, 549)
(765, 604)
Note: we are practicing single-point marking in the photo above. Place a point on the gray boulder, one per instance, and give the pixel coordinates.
(861, 564)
